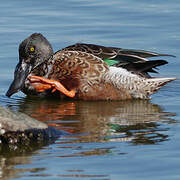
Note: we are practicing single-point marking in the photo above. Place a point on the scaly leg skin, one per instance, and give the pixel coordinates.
(41, 84)
(40, 87)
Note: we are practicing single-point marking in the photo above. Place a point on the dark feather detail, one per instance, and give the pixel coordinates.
(141, 53)
(133, 60)
(121, 58)
(119, 54)
(142, 68)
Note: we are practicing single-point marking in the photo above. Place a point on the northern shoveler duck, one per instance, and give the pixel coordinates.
(85, 71)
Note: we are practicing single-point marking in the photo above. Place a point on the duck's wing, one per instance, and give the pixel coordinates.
(142, 68)
(113, 55)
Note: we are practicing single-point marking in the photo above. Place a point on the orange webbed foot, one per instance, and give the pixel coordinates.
(41, 84)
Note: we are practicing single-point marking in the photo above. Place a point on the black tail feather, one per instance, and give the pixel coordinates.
(143, 68)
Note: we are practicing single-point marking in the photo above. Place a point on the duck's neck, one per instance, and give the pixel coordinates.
(44, 68)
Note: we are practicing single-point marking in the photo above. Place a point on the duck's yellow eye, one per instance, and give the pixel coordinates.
(32, 49)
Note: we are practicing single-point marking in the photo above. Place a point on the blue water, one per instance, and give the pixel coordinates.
(110, 140)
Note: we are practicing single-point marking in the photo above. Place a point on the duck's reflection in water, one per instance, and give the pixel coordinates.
(137, 121)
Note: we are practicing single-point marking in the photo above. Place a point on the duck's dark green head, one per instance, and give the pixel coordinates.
(33, 51)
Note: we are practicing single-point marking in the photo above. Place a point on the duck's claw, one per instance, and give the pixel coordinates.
(53, 90)
(41, 84)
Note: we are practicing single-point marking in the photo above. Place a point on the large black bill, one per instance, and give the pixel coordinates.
(20, 74)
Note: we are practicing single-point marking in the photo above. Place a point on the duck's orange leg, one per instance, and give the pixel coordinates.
(41, 84)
